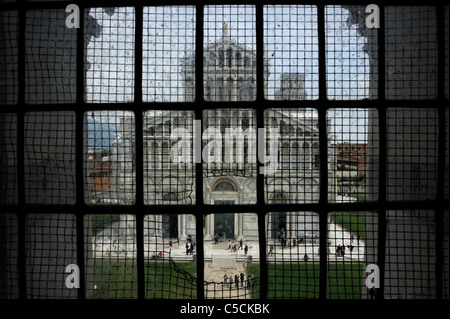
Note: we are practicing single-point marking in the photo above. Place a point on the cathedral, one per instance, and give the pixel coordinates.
(229, 75)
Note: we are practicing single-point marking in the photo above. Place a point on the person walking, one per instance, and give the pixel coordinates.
(270, 250)
(245, 250)
(242, 279)
(240, 244)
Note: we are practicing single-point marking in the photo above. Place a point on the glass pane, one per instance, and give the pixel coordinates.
(412, 153)
(293, 255)
(292, 159)
(50, 247)
(169, 251)
(50, 158)
(109, 55)
(110, 258)
(9, 230)
(169, 166)
(8, 57)
(355, 153)
(231, 256)
(109, 157)
(350, 54)
(50, 61)
(411, 52)
(229, 64)
(169, 43)
(8, 158)
(352, 247)
(410, 255)
(229, 156)
(291, 48)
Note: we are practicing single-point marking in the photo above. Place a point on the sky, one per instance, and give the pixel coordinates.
(291, 46)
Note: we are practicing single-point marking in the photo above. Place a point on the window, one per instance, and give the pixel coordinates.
(137, 145)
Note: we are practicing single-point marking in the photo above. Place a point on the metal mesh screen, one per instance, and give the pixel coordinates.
(169, 175)
(293, 255)
(8, 54)
(50, 60)
(168, 38)
(310, 157)
(109, 66)
(229, 56)
(292, 155)
(291, 47)
(49, 142)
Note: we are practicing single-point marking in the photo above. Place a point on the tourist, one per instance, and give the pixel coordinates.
(240, 244)
(245, 250)
(236, 281)
(249, 277)
(271, 250)
(305, 257)
(242, 279)
(225, 278)
(229, 244)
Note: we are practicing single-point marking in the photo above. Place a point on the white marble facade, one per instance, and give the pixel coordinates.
(230, 75)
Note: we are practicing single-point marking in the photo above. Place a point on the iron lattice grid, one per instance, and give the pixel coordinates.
(323, 207)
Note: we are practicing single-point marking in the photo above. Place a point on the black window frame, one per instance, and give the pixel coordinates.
(322, 104)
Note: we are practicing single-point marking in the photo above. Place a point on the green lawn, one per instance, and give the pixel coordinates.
(354, 222)
(301, 281)
(163, 280)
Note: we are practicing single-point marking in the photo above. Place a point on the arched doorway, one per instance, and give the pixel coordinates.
(278, 220)
(224, 192)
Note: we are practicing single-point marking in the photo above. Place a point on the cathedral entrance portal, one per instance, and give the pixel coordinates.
(224, 223)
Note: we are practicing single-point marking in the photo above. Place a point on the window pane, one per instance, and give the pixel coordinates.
(50, 247)
(169, 166)
(169, 43)
(8, 158)
(9, 230)
(231, 256)
(350, 54)
(229, 156)
(50, 61)
(410, 255)
(412, 153)
(292, 159)
(110, 259)
(8, 57)
(50, 158)
(169, 251)
(291, 48)
(292, 255)
(109, 55)
(352, 246)
(411, 52)
(229, 63)
(109, 157)
(355, 152)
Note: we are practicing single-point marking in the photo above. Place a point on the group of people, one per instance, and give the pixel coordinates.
(219, 237)
(237, 279)
(233, 247)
